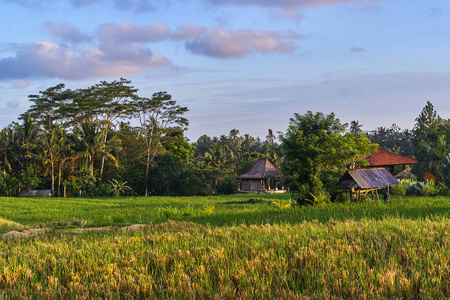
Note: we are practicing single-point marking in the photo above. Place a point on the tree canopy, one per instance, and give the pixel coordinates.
(317, 151)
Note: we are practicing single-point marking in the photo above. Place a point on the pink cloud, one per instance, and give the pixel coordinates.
(127, 32)
(238, 43)
(45, 59)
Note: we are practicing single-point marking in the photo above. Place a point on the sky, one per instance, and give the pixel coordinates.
(236, 64)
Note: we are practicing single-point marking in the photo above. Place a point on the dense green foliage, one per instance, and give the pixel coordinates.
(79, 142)
(318, 151)
(84, 143)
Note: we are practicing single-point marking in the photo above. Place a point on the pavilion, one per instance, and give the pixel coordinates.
(260, 178)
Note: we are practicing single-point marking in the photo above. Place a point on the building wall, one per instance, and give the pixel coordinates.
(251, 185)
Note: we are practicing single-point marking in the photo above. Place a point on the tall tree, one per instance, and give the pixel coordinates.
(270, 138)
(427, 125)
(46, 107)
(91, 144)
(247, 142)
(156, 115)
(104, 103)
(52, 149)
(313, 144)
(429, 139)
(355, 127)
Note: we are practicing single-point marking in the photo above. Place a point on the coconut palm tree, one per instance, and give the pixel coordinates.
(355, 127)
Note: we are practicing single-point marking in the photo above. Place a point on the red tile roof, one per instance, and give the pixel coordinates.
(385, 158)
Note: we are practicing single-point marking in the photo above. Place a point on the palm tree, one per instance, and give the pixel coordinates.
(7, 152)
(216, 156)
(247, 142)
(53, 146)
(270, 138)
(355, 127)
(90, 138)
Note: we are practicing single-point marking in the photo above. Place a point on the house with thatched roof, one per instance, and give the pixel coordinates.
(360, 182)
(261, 178)
(386, 159)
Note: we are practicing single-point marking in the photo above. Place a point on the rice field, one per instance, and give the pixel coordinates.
(226, 247)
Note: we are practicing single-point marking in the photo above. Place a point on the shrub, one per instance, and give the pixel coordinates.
(399, 189)
(429, 188)
(320, 199)
(227, 186)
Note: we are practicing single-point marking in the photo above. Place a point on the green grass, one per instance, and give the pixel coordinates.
(224, 210)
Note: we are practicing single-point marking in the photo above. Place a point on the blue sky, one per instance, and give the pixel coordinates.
(244, 64)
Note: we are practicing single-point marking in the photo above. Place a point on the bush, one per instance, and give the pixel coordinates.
(320, 199)
(337, 195)
(398, 189)
(429, 188)
(227, 186)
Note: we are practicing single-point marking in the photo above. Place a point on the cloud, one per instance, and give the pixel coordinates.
(45, 59)
(120, 49)
(356, 49)
(12, 103)
(136, 5)
(67, 33)
(290, 9)
(287, 13)
(33, 3)
(21, 84)
(187, 32)
(127, 32)
(288, 3)
(238, 43)
(133, 5)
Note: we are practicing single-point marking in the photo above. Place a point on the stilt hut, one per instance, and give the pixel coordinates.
(359, 183)
(261, 178)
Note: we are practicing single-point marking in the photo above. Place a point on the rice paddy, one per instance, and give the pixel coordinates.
(240, 246)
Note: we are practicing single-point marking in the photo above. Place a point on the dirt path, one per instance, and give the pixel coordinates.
(34, 232)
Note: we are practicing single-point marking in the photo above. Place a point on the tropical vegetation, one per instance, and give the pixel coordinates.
(90, 141)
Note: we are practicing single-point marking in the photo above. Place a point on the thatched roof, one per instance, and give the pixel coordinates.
(261, 170)
(385, 158)
(367, 178)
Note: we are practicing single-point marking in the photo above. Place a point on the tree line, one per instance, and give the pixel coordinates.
(107, 139)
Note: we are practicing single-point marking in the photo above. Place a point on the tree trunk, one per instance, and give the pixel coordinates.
(53, 180)
(101, 168)
(146, 172)
(59, 181)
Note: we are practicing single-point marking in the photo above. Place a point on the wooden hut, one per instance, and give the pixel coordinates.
(359, 183)
(260, 178)
(384, 158)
